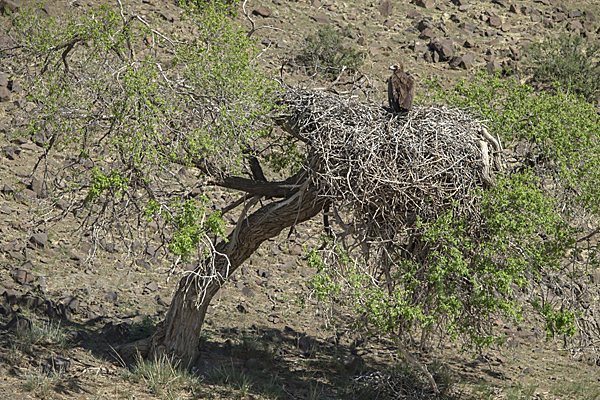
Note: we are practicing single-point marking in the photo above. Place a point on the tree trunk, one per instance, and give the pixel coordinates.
(179, 333)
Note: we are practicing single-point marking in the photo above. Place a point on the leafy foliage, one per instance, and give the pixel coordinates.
(570, 61)
(467, 271)
(325, 53)
(135, 105)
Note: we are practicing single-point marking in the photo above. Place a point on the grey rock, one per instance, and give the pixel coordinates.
(494, 21)
(386, 8)
(8, 5)
(413, 14)
(3, 80)
(492, 67)
(19, 325)
(427, 34)
(468, 26)
(263, 11)
(320, 19)
(424, 24)
(5, 94)
(469, 44)
(575, 26)
(22, 277)
(246, 292)
(111, 296)
(574, 13)
(39, 239)
(559, 17)
(443, 47)
(460, 2)
(425, 3)
(502, 3)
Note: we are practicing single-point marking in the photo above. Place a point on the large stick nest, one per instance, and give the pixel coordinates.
(390, 168)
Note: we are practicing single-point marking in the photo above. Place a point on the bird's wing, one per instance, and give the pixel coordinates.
(406, 92)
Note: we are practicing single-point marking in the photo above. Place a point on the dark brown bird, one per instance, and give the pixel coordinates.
(401, 89)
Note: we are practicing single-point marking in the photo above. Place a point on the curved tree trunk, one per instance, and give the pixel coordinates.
(179, 333)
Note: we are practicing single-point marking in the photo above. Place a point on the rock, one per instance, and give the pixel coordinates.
(427, 34)
(246, 292)
(467, 60)
(468, 26)
(316, 4)
(469, 44)
(492, 67)
(10, 296)
(386, 8)
(263, 273)
(589, 16)
(352, 362)
(425, 3)
(263, 11)
(8, 284)
(388, 23)
(15, 87)
(575, 26)
(460, 2)
(559, 17)
(427, 56)
(547, 22)
(320, 19)
(424, 24)
(502, 3)
(22, 277)
(362, 41)
(111, 296)
(304, 343)
(251, 363)
(5, 95)
(574, 13)
(19, 325)
(166, 16)
(494, 21)
(242, 307)
(535, 18)
(8, 189)
(3, 80)
(443, 48)
(8, 5)
(296, 250)
(72, 303)
(161, 302)
(4, 209)
(39, 240)
(505, 26)
(513, 9)
(38, 186)
(412, 14)
(150, 287)
(465, 8)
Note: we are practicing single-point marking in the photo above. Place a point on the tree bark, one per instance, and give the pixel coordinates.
(179, 333)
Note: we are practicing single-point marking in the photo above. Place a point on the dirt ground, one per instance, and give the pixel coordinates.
(62, 314)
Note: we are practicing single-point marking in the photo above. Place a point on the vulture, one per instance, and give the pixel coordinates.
(401, 89)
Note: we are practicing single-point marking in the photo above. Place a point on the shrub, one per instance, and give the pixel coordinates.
(324, 53)
(570, 61)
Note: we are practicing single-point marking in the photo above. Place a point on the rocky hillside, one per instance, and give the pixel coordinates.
(62, 311)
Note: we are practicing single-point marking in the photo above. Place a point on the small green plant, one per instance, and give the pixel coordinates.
(164, 376)
(41, 333)
(234, 380)
(325, 53)
(40, 383)
(141, 330)
(569, 60)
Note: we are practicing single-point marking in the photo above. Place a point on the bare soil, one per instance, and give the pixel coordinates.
(258, 341)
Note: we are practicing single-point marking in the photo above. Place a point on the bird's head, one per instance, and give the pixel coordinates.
(397, 67)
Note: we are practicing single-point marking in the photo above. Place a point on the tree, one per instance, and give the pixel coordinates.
(434, 233)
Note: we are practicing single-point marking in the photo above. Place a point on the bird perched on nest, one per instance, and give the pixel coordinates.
(401, 89)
